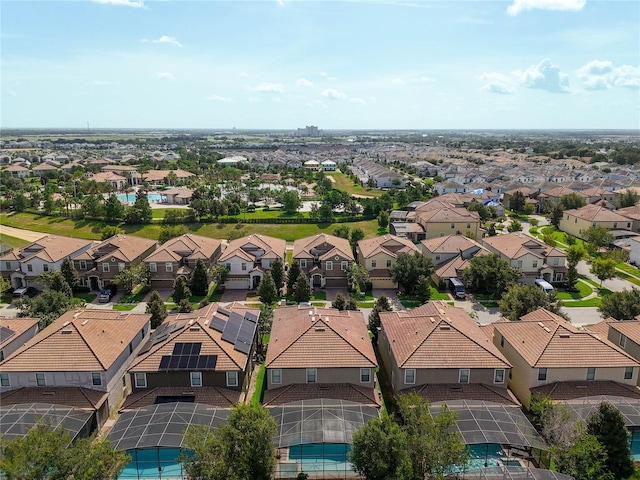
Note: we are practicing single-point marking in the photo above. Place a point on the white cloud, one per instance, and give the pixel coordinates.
(327, 76)
(334, 94)
(519, 6)
(497, 83)
(217, 98)
(268, 87)
(303, 82)
(124, 3)
(545, 76)
(165, 76)
(167, 39)
(601, 75)
(359, 101)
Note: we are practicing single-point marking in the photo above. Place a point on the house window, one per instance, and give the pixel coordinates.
(365, 375)
(96, 378)
(453, 225)
(276, 376)
(7, 265)
(591, 373)
(542, 374)
(437, 258)
(83, 265)
(40, 380)
(244, 267)
(45, 267)
(463, 375)
(628, 373)
(628, 225)
(232, 379)
(105, 267)
(535, 264)
(329, 265)
(623, 341)
(4, 380)
(388, 263)
(153, 267)
(196, 379)
(344, 266)
(615, 224)
(519, 264)
(468, 225)
(168, 267)
(228, 266)
(556, 261)
(120, 266)
(312, 375)
(303, 263)
(29, 267)
(373, 264)
(410, 376)
(140, 380)
(498, 375)
(501, 341)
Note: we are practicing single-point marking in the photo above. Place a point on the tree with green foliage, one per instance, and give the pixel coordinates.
(555, 214)
(340, 302)
(55, 280)
(180, 290)
(292, 276)
(624, 305)
(603, 268)
(267, 290)
(585, 458)
(608, 426)
(409, 268)
(423, 289)
(108, 232)
(92, 206)
(490, 274)
(520, 300)
(341, 231)
(514, 226)
(382, 305)
(357, 234)
(290, 201)
(184, 306)
(69, 273)
(113, 208)
(358, 277)
(219, 274)
(240, 449)
(169, 232)
(140, 211)
(383, 220)
(47, 306)
(483, 211)
(628, 198)
(575, 253)
(597, 237)
(571, 201)
(277, 273)
(264, 323)
(157, 309)
(130, 277)
(517, 201)
(302, 289)
(4, 284)
(19, 203)
(199, 283)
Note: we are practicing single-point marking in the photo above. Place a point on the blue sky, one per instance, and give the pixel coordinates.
(414, 64)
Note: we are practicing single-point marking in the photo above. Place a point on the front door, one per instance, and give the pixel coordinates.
(317, 280)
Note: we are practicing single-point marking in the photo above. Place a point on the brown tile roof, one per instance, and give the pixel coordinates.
(335, 391)
(569, 390)
(525, 190)
(558, 192)
(315, 337)
(449, 244)
(517, 244)
(187, 331)
(442, 392)
(389, 244)
(18, 326)
(155, 175)
(107, 177)
(81, 340)
(53, 248)
(631, 212)
(194, 246)
(437, 335)
(448, 214)
(273, 247)
(123, 247)
(597, 213)
(217, 396)
(78, 397)
(546, 340)
(302, 248)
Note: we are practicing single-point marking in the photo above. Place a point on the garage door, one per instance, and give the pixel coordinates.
(383, 283)
(237, 284)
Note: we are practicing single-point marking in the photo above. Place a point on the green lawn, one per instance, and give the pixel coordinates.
(630, 269)
(85, 297)
(124, 308)
(160, 212)
(344, 183)
(591, 302)
(13, 242)
(136, 297)
(485, 300)
(628, 278)
(260, 386)
(365, 304)
(438, 295)
(319, 295)
(289, 256)
(583, 290)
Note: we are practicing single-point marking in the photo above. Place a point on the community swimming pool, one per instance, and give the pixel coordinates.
(131, 197)
(319, 457)
(153, 463)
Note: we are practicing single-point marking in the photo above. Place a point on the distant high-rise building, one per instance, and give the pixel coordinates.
(309, 131)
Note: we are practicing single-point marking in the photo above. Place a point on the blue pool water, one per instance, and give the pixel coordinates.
(152, 197)
(318, 457)
(479, 454)
(145, 465)
(635, 445)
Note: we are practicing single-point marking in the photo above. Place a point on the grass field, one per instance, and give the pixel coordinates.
(591, 302)
(13, 242)
(91, 229)
(260, 386)
(583, 290)
(160, 212)
(344, 183)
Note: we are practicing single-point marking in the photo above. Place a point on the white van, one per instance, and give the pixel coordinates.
(543, 285)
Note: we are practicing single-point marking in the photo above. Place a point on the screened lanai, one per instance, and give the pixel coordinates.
(17, 420)
(514, 473)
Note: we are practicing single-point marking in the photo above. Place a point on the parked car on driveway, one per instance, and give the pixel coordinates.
(22, 291)
(107, 292)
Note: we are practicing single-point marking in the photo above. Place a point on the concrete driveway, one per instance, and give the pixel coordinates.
(234, 296)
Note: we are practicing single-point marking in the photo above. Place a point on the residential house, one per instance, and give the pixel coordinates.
(380, 176)
(98, 266)
(83, 349)
(553, 195)
(634, 214)
(534, 258)
(440, 351)
(23, 266)
(15, 332)
(552, 357)
(126, 171)
(178, 257)
(117, 182)
(205, 356)
(43, 169)
(577, 220)
(451, 255)
(325, 259)
(311, 165)
(248, 258)
(328, 166)
(449, 186)
(597, 194)
(379, 254)
(178, 196)
(319, 353)
(167, 177)
(18, 171)
(625, 333)
(530, 195)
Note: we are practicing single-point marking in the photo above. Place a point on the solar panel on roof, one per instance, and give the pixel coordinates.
(218, 324)
(224, 311)
(247, 330)
(6, 334)
(175, 327)
(251, 317)
(173, 363)
(195, 348)
(193, 361)
(242, 347)
(184, 361)
(164, 361)
(230, 333)
(160, 338)
(177, 348)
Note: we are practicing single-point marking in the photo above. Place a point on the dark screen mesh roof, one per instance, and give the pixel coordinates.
(162, 425)
(485, 422)
(629, 407)
(17, 420)
(513, 473)
(319, 421)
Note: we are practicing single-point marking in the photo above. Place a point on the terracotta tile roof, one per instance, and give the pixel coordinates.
(189, 244)
(546, 340)
(448, 214)
(515, 245)
(53, 248)
(437, 335)
(597, 213)
(185, 329)
(442, 392)
(525, 190)
(335, 391)
(454, 266)
(631, 212)
(389, 244)
(156, 175)
(78, 397)
(569, 390)
(449, 244)
(302, 248)
(81, 340)
(217, 396)
(315, 337)
(558, 192)
(273, 247)
(108, 177)
(123, 247)
(18, 326)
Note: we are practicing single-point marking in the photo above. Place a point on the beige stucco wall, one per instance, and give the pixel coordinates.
(575, 226)
(323, 375)
(435, 229)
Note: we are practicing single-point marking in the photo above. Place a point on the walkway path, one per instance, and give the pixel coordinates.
(28, 235)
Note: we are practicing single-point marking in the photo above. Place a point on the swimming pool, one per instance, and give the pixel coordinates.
(322, 457)
(153, 463)
(152, 197)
